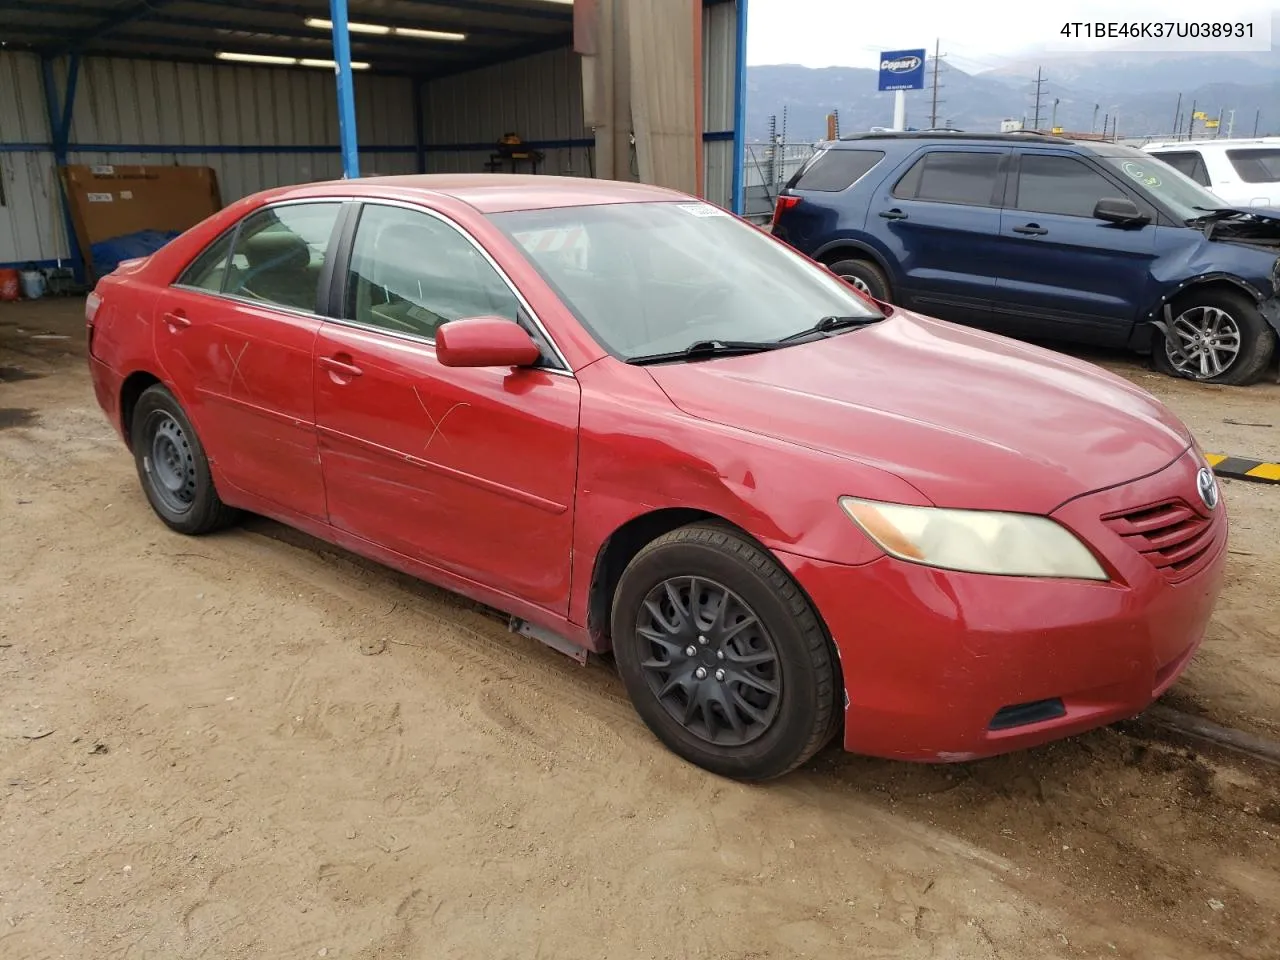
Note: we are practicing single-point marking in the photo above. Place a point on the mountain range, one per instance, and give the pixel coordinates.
(1138, 91)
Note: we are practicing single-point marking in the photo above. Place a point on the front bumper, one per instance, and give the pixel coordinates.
(931, 657)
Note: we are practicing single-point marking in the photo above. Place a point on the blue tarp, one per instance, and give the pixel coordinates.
(107, 254)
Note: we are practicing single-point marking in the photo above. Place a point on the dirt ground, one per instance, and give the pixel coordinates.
(201, 755)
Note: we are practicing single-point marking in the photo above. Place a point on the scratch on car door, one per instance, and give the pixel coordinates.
(437, 425)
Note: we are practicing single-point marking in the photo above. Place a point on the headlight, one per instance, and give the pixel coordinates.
(975, 541)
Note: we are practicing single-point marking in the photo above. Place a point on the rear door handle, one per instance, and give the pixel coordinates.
(894, 214)
(1031, 229)
(177, 320)
(341, 367)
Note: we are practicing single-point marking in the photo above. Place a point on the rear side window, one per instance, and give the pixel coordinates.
(279, 254)
(207, 271)
(1061, 185)
(1257, 165)
(946, 176)
(837, 170)
(1189, 162)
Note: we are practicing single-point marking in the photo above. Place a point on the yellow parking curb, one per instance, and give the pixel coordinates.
(1238, 468)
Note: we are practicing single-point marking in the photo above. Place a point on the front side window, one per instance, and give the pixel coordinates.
(279, 254)
(1189, 163)
(947, 176)
(655, 277)
(1256, 165)
(1060, 185)
(411, 273)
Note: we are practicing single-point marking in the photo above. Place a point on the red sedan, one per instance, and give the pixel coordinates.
(636, 423)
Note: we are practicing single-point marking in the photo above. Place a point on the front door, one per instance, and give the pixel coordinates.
(1060, 273)
(235, 336)
(470, 470)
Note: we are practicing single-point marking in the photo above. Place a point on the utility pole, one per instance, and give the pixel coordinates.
(1053, 124)
(1191, 124)
(1093, 127)
(1177, 117)
(1040, 81)
(1217, 131)
(1231, 123)
(1257, 115)
(937, 62)
(1106, 119)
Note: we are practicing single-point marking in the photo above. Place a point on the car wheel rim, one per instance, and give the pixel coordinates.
(171, 465)
(859, 283)
(1203, 343)
(709, 660)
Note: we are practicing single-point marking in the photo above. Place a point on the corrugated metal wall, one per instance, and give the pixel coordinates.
(260, 126)
(719, 59)
(539, 98)
(263, 126)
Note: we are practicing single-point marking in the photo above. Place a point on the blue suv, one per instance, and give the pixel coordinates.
(1046, 238)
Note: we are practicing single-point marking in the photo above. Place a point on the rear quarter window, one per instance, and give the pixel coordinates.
(1256, 165)
(946, 176)
(837, 170)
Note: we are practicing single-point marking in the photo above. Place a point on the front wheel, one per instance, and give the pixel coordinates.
(722, 655)
(173, 467)
(1217, 336)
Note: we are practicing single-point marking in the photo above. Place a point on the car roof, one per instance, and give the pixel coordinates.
(496, 192)
(1224, 144)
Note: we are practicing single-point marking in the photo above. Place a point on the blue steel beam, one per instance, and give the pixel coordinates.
(346, 90)
(738, 201)
(60, 130)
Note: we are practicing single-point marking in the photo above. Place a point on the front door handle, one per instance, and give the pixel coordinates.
(176, 320)
(341, 365)
(1031, 229)
(894, 214)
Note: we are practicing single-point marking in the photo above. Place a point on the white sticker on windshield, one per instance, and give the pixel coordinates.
(703, 210)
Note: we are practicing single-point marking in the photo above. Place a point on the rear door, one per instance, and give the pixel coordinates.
(1062, 274)
(939, 220)
(235, 335)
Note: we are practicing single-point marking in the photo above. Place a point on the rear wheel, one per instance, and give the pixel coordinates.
(722, 655)
(173, 467)
(1216, 336)
(864, 275)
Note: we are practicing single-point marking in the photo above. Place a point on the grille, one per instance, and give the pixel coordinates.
(1171, 535)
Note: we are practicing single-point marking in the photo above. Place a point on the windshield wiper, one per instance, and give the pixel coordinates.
(830, 325)
(1217, 213)
(704, 349)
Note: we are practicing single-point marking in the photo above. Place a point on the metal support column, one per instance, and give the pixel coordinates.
(738, 204)
(346, 90)
(59, 110)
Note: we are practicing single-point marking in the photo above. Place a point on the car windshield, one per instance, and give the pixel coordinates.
(1186, 198)
(656, 277)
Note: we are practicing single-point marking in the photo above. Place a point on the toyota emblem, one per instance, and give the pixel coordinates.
(1208, 487)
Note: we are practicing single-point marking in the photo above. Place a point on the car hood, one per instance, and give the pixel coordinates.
(972, 420)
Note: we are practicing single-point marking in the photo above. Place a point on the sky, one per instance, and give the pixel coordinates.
(975, 36)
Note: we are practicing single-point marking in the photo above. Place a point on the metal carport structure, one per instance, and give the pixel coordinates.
(243, 86)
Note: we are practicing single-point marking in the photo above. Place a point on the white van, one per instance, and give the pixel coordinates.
(1243, 173)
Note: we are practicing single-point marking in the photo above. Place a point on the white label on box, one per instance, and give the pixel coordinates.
(126, 194)
(100, 198)
(103, 170)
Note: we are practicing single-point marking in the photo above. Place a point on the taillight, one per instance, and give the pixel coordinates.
(782, 206)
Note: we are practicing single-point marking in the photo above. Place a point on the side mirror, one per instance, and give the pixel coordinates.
(1120, 210)
(485, 342)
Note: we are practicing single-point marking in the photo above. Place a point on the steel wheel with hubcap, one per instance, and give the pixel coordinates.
(722, 655)
(712, 664)
(170, 465)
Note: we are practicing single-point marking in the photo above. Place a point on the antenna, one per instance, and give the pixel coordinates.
(1040, 82)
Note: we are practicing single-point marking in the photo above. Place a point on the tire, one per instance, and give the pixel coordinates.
(778, 733)
(1257, 341)
(866, 276)
(172, 466)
